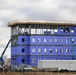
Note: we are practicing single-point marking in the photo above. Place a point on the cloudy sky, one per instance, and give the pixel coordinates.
(57, 10)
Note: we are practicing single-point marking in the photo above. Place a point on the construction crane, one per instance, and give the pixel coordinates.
(68, 29)
(1, 58)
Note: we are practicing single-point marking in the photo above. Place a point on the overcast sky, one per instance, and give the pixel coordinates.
(59, 10)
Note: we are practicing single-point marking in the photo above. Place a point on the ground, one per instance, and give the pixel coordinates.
(37, 73)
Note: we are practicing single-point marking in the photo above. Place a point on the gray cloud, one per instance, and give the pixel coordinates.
(39, 9)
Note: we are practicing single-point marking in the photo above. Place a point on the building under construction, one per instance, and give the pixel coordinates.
(32, 41)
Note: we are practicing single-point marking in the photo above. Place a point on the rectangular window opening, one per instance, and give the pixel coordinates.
(55, 30)
(23, 50)
(44, 40)
(39, 40)
(33, 40)
(72, 30)
(39, 50)
(67, 50)
(50, 50)
(61, 40)
(23, 39)
(33, 50)
(45, 50)
(66, 40)
(72, 40)
(61, 50)
(61, 30)
(56, 40)
(23, 60)
(56, 50)
(50, 40)
(33, 60)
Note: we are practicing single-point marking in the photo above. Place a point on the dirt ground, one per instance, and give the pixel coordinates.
(37, 73)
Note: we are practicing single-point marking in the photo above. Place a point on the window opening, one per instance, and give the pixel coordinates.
(39, 50)
(61, 30)
(50, 40)
(23, 50)
(55, 30)
(39, 40)
(33, 50)
(44, 40)
(23, 60)
(61, 50)
(50, 50)
(56, 50)
(61, 40)
(56, 40)
(67, 50)
(45, 50)
(33, 60)
(72, 40)
(72, 30)
(23, 40)
(66, 40)
(33, 40)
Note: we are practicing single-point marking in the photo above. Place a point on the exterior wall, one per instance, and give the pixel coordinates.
(53, 38)
(18, 60)
(18, 50)
(26, 40)
(66, 33)
(48, 47)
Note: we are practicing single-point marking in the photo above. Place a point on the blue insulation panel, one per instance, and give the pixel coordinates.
(43, 47)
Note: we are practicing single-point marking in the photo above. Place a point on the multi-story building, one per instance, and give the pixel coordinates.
(33, 41)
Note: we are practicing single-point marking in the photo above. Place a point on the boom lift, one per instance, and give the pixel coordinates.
(68, 29)
(1, 58)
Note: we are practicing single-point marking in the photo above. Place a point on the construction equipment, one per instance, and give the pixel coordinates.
(73, 57)
(1, 58)
(68, 29)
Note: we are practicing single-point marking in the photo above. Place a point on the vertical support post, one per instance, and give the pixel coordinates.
(29, 29)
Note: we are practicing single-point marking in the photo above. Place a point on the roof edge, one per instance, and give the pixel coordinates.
(67, 23)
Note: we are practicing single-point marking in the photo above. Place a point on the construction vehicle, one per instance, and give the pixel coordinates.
(1, 58)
